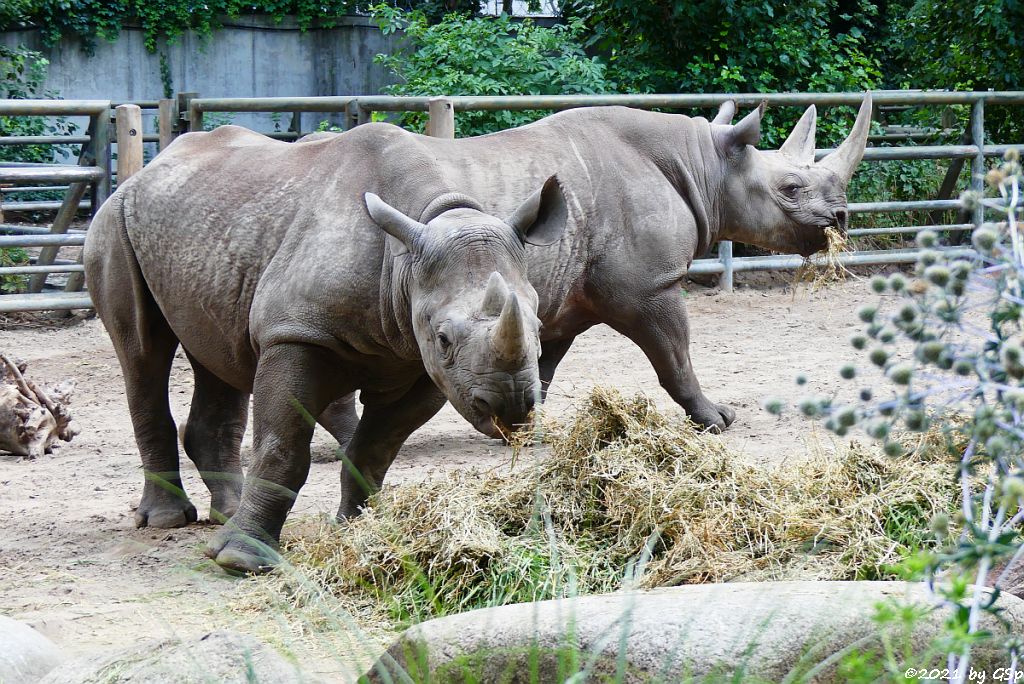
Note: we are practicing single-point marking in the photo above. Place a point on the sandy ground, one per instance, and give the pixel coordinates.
(73, 565)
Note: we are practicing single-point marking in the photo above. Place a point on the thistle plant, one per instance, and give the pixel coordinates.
(949, 339)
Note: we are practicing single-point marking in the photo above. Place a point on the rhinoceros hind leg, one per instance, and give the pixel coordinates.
(213, 439)
(662, 331)
(164, 503)
(340, 419)
(381, 432)
(145, 346)
(551, 354)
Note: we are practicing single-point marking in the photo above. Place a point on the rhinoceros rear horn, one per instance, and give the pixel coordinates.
(509, 339)
(541, 219)
(496, 295)
(844, 161)
(799, 146)
(396, 224)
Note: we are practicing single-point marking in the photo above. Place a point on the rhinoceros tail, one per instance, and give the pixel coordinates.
(118, 289)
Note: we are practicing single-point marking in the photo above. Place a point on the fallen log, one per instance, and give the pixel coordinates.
(32, 419)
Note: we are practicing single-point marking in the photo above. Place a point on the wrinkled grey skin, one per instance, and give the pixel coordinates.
(647, 194)
(284, 281)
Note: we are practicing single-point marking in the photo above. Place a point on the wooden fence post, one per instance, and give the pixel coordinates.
(128, 120)
(442, 117)
(165, 122)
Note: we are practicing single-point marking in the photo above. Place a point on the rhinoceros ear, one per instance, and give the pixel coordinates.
(403, 231)
(747, 132)
(722, 118)
(541, 219)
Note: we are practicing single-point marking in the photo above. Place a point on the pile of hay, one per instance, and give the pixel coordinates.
(626, 497)
(826, 268)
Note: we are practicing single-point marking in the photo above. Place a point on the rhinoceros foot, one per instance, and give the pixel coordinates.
(714, 417)
(165, 513)
(238, 552)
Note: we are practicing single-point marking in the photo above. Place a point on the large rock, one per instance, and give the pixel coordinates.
(219, 657)
(25, 654)
(760, 631)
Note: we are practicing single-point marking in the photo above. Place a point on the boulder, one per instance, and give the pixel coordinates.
(220, 656)
(758, 631)
(25, 654)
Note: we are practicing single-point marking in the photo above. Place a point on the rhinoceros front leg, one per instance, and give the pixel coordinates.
(662, 331)
(382, 431)
(294, 383)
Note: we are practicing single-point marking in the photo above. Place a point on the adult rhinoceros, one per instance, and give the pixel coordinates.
(261, 260)
(647, 193)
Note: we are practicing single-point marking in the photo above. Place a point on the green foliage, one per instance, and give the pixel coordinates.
(487, 56)
(89, 20)
(22, 73)
(166, 20)
(951, 345)
(13, 256)
(714, 46)
(981, 47)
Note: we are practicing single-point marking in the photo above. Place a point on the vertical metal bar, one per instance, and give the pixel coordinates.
(101, 151)
(351, 115)
(195, 118)
(441, 123)
(167, 114)
(725, 256)
(183, 106)
(363, 115)
(978, 163)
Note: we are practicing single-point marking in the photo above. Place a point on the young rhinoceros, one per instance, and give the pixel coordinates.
(261, 259)
(647, 194)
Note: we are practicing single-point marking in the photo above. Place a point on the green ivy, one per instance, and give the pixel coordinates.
(166, 20)
(161, 20)
(463, 55)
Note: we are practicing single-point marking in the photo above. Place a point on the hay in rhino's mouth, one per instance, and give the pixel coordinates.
(828, 267)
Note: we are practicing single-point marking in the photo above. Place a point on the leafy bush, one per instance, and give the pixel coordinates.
(22, 73)
(950, 342)
(981, 48)
(487, 56)
(715, 46)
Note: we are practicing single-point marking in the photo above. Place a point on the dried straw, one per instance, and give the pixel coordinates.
(826, 268)
(625, 497)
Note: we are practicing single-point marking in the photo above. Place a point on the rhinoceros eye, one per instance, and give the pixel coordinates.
(443, 341)
(791, 190)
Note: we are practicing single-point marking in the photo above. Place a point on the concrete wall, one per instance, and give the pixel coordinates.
(250, 57)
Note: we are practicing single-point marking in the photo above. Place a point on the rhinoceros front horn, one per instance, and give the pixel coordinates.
(509, 337)
(844, 161)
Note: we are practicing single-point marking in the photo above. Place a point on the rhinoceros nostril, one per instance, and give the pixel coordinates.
(842, 217)
(482, 407)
